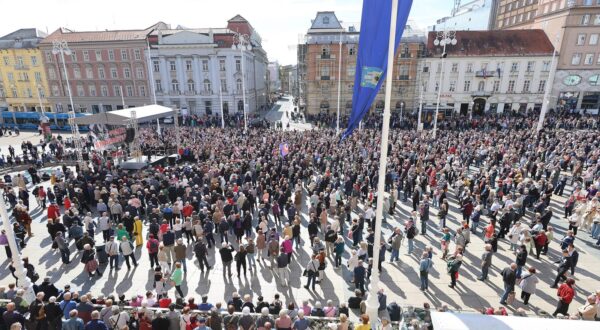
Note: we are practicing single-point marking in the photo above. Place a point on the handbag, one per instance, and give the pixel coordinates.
(305, 273)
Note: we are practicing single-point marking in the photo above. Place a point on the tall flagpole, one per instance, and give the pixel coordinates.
(372, 300)
(151, 72)
(221, 100)
(548, 87)
(339, 93)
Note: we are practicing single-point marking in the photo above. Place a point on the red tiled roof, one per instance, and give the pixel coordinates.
(95, 36)
(494, 43)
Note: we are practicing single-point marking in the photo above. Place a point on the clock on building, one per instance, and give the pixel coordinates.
(594, 80)
(572, 80)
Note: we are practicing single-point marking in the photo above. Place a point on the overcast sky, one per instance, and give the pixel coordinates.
(279, 22)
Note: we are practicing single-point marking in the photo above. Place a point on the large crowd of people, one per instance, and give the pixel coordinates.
(235, 194)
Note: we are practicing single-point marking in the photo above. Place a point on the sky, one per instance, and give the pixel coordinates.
(279, 22)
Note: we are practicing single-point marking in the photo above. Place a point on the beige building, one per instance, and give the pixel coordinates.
(573, 26)
(515, 13)
(318, 68)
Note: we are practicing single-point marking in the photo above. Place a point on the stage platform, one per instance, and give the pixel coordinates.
(135, 164)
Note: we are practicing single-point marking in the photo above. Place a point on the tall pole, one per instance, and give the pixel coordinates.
(151, 73)
(221, 100)
(122, 97)
(20, 273)
(401, 112)
(548, 87)
(420, 110)
(177, 140)
(373, 301)
(243, 43)
(62, 48)
(447, 37)
(339, 93)
(40, 99)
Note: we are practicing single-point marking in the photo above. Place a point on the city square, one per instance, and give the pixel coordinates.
(177, 178)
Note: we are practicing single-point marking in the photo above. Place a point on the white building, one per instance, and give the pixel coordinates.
(488, 71)
(470, 15)
(274, 81)
(197, 69)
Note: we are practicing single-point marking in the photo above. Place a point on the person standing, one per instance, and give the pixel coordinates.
(240, 260)
(201, 251)
(180, 251)
(177, 278)
(396, 241)
(486, 262)
(360, 273)
(411, 232)
(88, 259)
(112, 249)
(528, 284)
(564, 266)
(521, 260)
(152, 246)
(509, 278)
(226, 257)
(63, 247)
(424, 214)
(127, 249)
(424, 267)
(453, 266)
(282, 268)
(339, 248)
(574, 254)
(565, 293)
(312, 271)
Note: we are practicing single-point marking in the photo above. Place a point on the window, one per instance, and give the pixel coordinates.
(123, 54)
(589, 59)
(530, 66)
(598, 60)
(86, 55)
(127, 73)
(240, 105)
(546, 66)
(142, 90)
(576, 59)
(351, 70)
(55, 91)
(137, 54)
(38, 77)
(80, 90)
(191, 85)
(593, 39)
(117, 90)
(439, 67)
(29, 93)
(129, 90)
(92, 90)
(325, 52)
(172, 65)
(496, 86)
(14, 92)
(40, 92)
(351, 51)
(73, 56)
(542, 86)
(208, 107)
(223, 85)
(207, 86)
(511, 86)
(24, 76)
(514, 67)
(139, 73)
(437, 86)
(597, 19)
(454, 67)
(581, 39)
(526, 85)
(98, 55)
(49, 56)
(469, 67)
(326, 20)
(89, 73)
(585, 19)
(6, 60)
(11, 76)
(34, 61)
(221, 65)
(204, 65)
(111, 55)
(188, 65)
(104, 90)
(158, 85)
(113, 73)
(467, 86)
(238, 65)
(481, 86)
(174, 85)
(76, 73)
(238, 85)
(51, 73)
(101, 73)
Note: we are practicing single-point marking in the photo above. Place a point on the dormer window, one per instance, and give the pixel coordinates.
(325, 20)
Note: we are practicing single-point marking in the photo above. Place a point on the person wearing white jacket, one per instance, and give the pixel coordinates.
(127, 249)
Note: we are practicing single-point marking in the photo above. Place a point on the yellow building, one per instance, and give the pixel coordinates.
(23, 83)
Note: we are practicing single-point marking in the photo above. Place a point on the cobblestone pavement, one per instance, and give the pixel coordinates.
(399, 279)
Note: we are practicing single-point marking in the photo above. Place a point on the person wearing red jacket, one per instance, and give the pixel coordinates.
(53, 211)
(187, 210)
(565, 293)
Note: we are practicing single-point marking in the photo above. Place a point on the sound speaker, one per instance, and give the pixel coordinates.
(130, 135)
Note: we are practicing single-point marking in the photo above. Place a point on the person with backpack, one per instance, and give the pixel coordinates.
(152, 246)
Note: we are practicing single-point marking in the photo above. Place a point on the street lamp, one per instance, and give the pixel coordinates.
(546, 100)
(61, 47)
(39, 90)
(20, 273)
(443, 39)
(242, 42)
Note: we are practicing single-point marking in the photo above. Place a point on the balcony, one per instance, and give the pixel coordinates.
(486, 73)
(481, 94)
(190, 93)
(206, 93)
(324, 56)
(174, 93)
(403, 77)
(21, 67)
(325, 78)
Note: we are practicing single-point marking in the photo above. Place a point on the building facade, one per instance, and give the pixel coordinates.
(471, 15)
(106, 70)
(274, 81)
(573, 26)
(511, 14)
(197, 69)
(488, 72)
(23, 83)
(319, 68)
(289, 79)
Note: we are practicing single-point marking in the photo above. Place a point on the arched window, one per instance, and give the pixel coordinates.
(191, 85)
(174, 85)
(207, 86)
(238, 85)
(481, 86)
(241, 105)
(325, 105)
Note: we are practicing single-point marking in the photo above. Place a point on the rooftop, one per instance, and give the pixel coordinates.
(22, 38)
(494, 43)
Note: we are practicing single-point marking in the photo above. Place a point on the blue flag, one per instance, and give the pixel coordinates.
(284, 149)
(371, 64)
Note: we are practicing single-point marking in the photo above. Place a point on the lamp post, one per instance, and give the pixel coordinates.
(471, 104)
(339, 93)
(61, 47)
(548, 87)
(443, 38)
(20, 273)
(39, 93)
(420, 110)
(242, 42)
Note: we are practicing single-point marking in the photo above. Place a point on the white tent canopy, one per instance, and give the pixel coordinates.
(461, 321)
(122, 117)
